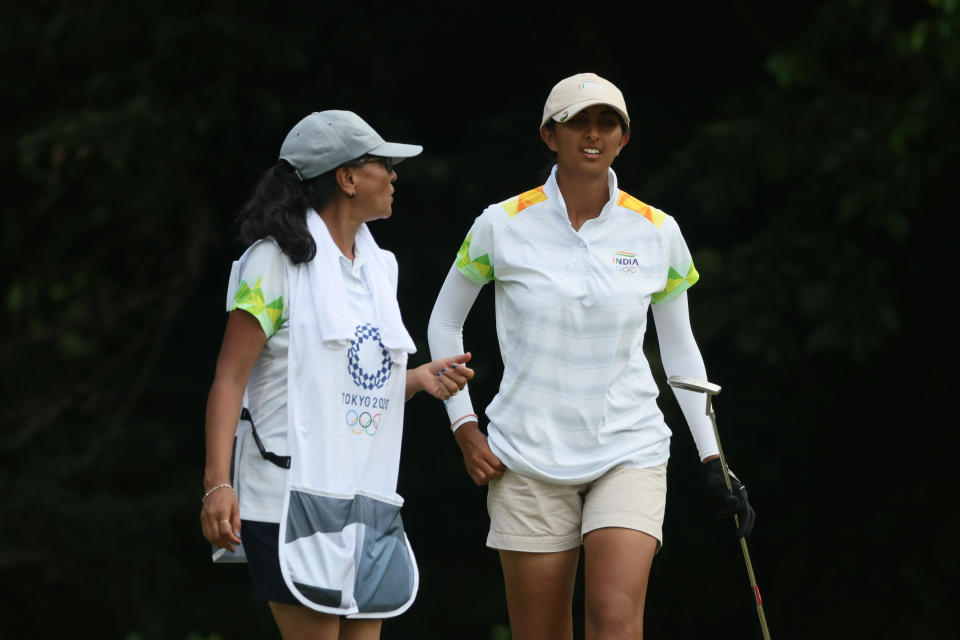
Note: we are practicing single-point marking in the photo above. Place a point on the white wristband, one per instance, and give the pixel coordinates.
(456, 424)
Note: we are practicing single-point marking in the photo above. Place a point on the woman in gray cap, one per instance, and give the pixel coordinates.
(305, 414)
(576, 447)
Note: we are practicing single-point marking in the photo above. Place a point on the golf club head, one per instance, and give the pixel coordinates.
(692, 384)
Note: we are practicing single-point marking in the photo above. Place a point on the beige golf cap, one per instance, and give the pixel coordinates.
(324, 140)
(572, 95)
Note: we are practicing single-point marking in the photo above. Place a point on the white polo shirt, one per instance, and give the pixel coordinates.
(577, 396)
(264, 293)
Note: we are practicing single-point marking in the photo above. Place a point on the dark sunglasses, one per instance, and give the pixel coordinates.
(386, 162)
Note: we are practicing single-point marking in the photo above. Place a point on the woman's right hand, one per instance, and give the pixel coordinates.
(220, 519)
(482, 465)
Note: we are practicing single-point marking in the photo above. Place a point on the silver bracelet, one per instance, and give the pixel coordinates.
(219, 486)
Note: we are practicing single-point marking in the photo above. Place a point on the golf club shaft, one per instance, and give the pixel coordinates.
(736, 521)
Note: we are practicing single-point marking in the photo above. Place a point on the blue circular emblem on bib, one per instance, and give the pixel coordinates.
(367, 333)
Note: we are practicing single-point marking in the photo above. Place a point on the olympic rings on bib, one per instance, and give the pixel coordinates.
(363, 422)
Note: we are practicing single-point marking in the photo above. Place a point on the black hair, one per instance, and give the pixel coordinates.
(278, 209)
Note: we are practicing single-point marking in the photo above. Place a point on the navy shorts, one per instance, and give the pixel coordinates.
(260, 541)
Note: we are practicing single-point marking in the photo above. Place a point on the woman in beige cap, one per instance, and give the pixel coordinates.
(313, 368)
(577, 448)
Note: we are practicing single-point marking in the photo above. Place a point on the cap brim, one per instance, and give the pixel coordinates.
(577, 107)
(396, 150)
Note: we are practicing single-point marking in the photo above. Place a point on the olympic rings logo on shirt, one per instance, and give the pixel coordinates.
(622, 268)
(363, 422)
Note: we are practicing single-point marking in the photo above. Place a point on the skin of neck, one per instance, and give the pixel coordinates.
(342, 220)
(585, 195)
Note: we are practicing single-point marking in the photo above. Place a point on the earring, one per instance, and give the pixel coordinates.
(351, 195)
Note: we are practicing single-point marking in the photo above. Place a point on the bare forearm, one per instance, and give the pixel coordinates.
(242, 342)
(223, 412)
(413, 384)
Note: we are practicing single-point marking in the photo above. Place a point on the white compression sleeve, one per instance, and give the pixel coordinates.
(445, 335)
(681, 357)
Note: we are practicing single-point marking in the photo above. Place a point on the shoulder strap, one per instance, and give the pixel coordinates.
(281, 461)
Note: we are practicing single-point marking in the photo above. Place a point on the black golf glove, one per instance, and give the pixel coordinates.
(727, 503)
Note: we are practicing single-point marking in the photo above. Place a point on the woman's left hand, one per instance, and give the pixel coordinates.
(441, 378)
(727, 503)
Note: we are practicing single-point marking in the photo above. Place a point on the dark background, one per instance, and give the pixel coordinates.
(808, 151)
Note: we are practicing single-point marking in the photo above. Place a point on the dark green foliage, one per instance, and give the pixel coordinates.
(807, 151)
(815, 189)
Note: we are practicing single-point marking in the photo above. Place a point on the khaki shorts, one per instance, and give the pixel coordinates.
(528, 514)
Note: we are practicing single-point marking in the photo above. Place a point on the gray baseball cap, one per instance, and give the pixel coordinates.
(324, 140)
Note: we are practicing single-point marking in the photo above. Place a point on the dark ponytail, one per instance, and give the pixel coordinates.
(278, 209)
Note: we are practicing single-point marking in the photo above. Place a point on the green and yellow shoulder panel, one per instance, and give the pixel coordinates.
(676, 284)
(251, 300)
(478, 270)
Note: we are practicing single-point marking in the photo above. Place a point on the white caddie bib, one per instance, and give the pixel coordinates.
(343, 549)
